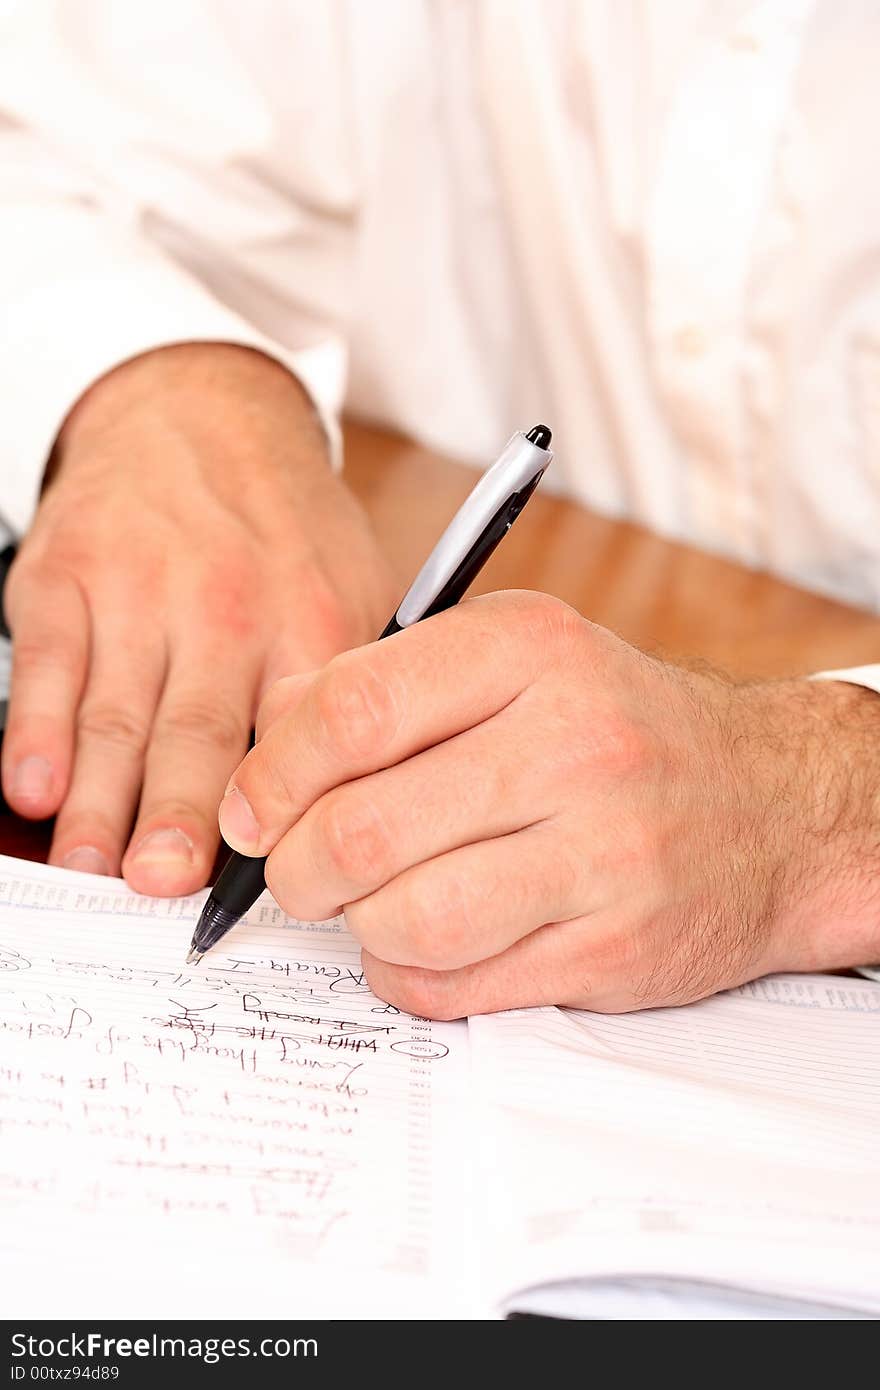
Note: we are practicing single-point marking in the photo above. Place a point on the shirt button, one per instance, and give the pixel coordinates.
(690, 341)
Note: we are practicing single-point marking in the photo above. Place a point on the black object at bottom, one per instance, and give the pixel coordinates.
(240, 883)
(130, 1353)
(213, 924)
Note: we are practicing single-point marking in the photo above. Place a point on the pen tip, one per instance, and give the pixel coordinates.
(194, 956)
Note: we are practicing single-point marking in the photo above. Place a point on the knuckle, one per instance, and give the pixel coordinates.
(280, 697)
(77, 825)
(31, 656)
(202, 722)
(425, 994)
(173, 812)
(621, 966)
(26, 573)
(223, 592)
(114, 725)
(276, 698)
(30, 653)
(270, 779)
(624, 747)
(613, 743)
(354, 837)
(550, 619)
(356, 711)
(438, 921)
(619, 958)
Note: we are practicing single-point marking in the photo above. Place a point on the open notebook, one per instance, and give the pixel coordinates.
(261, 1136)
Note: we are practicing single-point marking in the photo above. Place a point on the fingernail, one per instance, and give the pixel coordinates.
(86, 860)
(238, 824)
(169, 848)
(32, 780)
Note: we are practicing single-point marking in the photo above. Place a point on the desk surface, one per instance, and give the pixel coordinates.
(665, 598)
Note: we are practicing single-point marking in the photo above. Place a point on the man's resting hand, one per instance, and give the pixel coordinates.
(191, 546)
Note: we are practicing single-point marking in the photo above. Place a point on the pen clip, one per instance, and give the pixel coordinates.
(473, 533)
(461, 579)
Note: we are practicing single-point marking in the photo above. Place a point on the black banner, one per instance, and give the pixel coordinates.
(100, 1355)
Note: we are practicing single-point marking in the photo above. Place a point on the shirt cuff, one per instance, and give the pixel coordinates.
(868, 676)
(107, 297)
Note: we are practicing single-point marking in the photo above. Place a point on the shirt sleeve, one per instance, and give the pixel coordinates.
(124, 228)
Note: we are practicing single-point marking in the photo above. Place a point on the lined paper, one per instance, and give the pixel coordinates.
(257, 1135)
(260, 1135)
(734, 1141)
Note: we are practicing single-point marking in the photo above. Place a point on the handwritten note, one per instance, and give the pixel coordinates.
(256, 1135)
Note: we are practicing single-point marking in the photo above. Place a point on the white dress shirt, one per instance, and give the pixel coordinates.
(656, 226)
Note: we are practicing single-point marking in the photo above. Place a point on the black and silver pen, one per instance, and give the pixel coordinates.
(480, 523)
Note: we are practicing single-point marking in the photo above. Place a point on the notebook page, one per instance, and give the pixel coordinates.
(734, 1142)
(258, 1135)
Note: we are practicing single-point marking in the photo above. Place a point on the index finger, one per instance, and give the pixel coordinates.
(377, 705)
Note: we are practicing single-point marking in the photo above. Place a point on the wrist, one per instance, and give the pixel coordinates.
(817, 761)
(219, 394)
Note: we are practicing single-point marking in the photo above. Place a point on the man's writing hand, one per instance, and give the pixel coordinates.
(514, 807)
